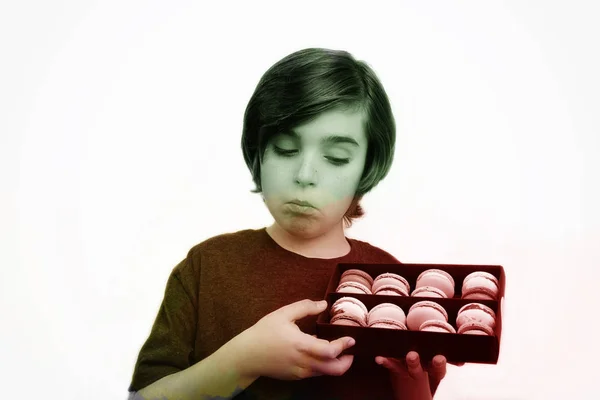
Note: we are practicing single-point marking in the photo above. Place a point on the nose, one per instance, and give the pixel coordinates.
(307, 173)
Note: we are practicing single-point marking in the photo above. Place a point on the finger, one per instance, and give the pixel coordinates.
(303, 308)
(394, 365)
(438, 366)
(437, 372)
(335, 367)
(413, 365)
(324, 349)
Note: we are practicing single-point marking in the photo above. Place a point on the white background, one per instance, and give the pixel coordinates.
(120, 127)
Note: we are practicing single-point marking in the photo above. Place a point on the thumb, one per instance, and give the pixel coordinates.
(303, 308)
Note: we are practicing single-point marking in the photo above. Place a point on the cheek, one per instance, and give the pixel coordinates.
(269, 175)
(340, 189)
(348, 179)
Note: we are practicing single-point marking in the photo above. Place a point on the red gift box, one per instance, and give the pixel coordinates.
(397, 343)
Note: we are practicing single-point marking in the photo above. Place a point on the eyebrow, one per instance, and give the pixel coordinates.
(330, 139)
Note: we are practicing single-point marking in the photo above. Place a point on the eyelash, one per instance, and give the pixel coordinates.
(333, 160)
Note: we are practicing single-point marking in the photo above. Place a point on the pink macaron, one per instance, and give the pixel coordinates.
(424, 311)
(386, 311)
(358, 276)
(437, 278)
(434, 325)
(348, 320)
(475, 328)
(350, 306)
(353, 287)
(481, 280)
(391, 290)
(476, 312)
(389, 278)
(388, 324)
(479, 293)
(428, 291)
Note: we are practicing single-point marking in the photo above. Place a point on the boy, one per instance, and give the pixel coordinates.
(238, 314)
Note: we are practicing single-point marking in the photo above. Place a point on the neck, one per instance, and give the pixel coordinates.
(332, 244)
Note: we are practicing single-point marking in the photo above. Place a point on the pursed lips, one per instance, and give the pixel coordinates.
(302, 203)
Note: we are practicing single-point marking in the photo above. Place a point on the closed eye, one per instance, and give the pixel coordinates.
(290, 153)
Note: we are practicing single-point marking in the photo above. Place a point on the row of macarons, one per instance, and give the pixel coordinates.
(426, 315)
(479, 285)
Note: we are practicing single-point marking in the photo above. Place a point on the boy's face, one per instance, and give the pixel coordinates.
(316, 171)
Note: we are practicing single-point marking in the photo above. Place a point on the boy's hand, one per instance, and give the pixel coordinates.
(410, 380)
(276, 347)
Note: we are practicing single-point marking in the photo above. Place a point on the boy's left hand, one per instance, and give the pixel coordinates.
(410, 380)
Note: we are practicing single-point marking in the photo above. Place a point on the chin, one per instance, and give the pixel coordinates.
(301, 227)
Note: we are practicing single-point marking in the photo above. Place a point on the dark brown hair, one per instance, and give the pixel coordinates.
(306, 83)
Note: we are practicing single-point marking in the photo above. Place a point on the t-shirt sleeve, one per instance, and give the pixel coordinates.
(170, 345)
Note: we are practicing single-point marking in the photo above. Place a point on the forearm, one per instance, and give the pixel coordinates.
(220, 375)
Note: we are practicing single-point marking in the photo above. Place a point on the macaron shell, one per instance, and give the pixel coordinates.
(388, 324)
(355, 271)
(438, 272)
(356, 275)
(428, 291)
(479, 293)
(389, 278)
(355, 279)
(387, 311)
(479, 279)
(476, 312)
(391, 290)
(475, 328)
(477, 306)
(348, 320)
(475, 332)
(353, 287)
(429, 304)
(437, 326)
(424, 311)
(350, 306)
(437, 278)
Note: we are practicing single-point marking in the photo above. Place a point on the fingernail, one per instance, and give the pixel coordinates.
(323, 303)
(412, 358)
(378, 360)
(351, 342)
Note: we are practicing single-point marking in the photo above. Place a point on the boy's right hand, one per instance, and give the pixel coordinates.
(277, 348)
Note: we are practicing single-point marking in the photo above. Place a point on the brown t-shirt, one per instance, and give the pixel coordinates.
(224, 286)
